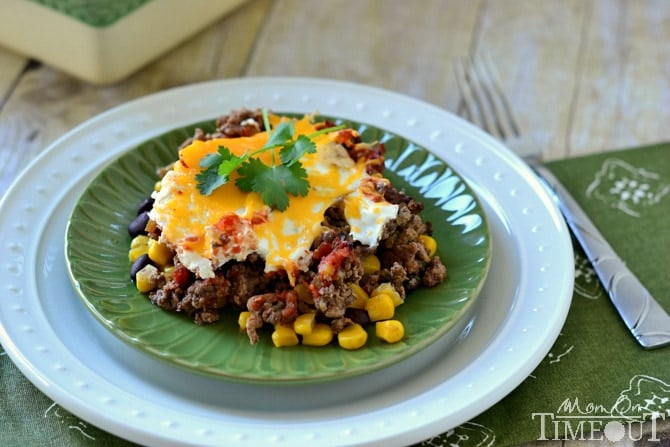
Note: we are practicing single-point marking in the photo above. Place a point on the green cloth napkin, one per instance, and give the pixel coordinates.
(596, 374)
(594, 367)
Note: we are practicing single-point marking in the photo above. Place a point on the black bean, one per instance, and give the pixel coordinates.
(138, 265)
(145, 205)
(359, 316)
(139, 224)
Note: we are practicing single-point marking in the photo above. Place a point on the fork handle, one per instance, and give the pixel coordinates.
(645, 318)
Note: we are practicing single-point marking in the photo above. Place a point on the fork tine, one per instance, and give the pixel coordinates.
(499, 99)
(483, 97)
(476, 97)
(467, 100)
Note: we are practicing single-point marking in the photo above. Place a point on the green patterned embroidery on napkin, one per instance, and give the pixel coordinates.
(96, 13)
(596, 381)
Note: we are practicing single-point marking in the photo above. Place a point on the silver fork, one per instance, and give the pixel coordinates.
(484, 103)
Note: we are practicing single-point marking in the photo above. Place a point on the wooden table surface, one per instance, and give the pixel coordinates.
(583, 76)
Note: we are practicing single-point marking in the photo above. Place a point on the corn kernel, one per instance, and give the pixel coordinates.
(305, 323)
(380, 307)
(391, 331)
(321, 335)
(430, 243)
(360, 296)
(136, 252)
(352, 337)
(387, 289)
(159, 253)
(147, 279)
(242, 320)
(371, 264)
(304, 294)
(284, 336)
(139, 241)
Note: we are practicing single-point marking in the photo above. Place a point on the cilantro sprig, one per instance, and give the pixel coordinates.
(274, 182)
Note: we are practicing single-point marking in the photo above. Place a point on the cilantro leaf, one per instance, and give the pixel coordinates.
(274, 183)
(228, 166)
(210, 178)
(217, 169)
(281, 134)
(293, 151)
(210, 160)
(296, 182)
(247, 172)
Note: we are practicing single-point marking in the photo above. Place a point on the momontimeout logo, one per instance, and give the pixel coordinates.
(594, 427)
(646, 400)
(643, 400)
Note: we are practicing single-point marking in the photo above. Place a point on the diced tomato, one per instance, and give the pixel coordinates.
(347, 138)
(181, 275)
(259, 217)
(331, 263)
(322, 250)
(228, 223)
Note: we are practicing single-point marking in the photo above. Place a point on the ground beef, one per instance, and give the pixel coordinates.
(204, 299)
(336, 260)
(168, 296)
(435, 272)
(338, 324)
(240, 123)
(254, 322)
(395, 196)
(398, 278)
(272, 308)
(248, 279)
(404, 260)
(333, 299)
(337, 266)
(275, 308)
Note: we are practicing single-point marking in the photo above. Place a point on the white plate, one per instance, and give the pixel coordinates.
(70, 357)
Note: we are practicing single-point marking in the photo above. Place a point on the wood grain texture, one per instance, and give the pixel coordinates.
(388, 44)
(582, 77)
(623, 95)
(536, 48)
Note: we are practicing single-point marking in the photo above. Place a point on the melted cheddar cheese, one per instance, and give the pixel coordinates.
(206, 231)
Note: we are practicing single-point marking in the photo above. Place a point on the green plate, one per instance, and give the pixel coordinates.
(97, 245)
